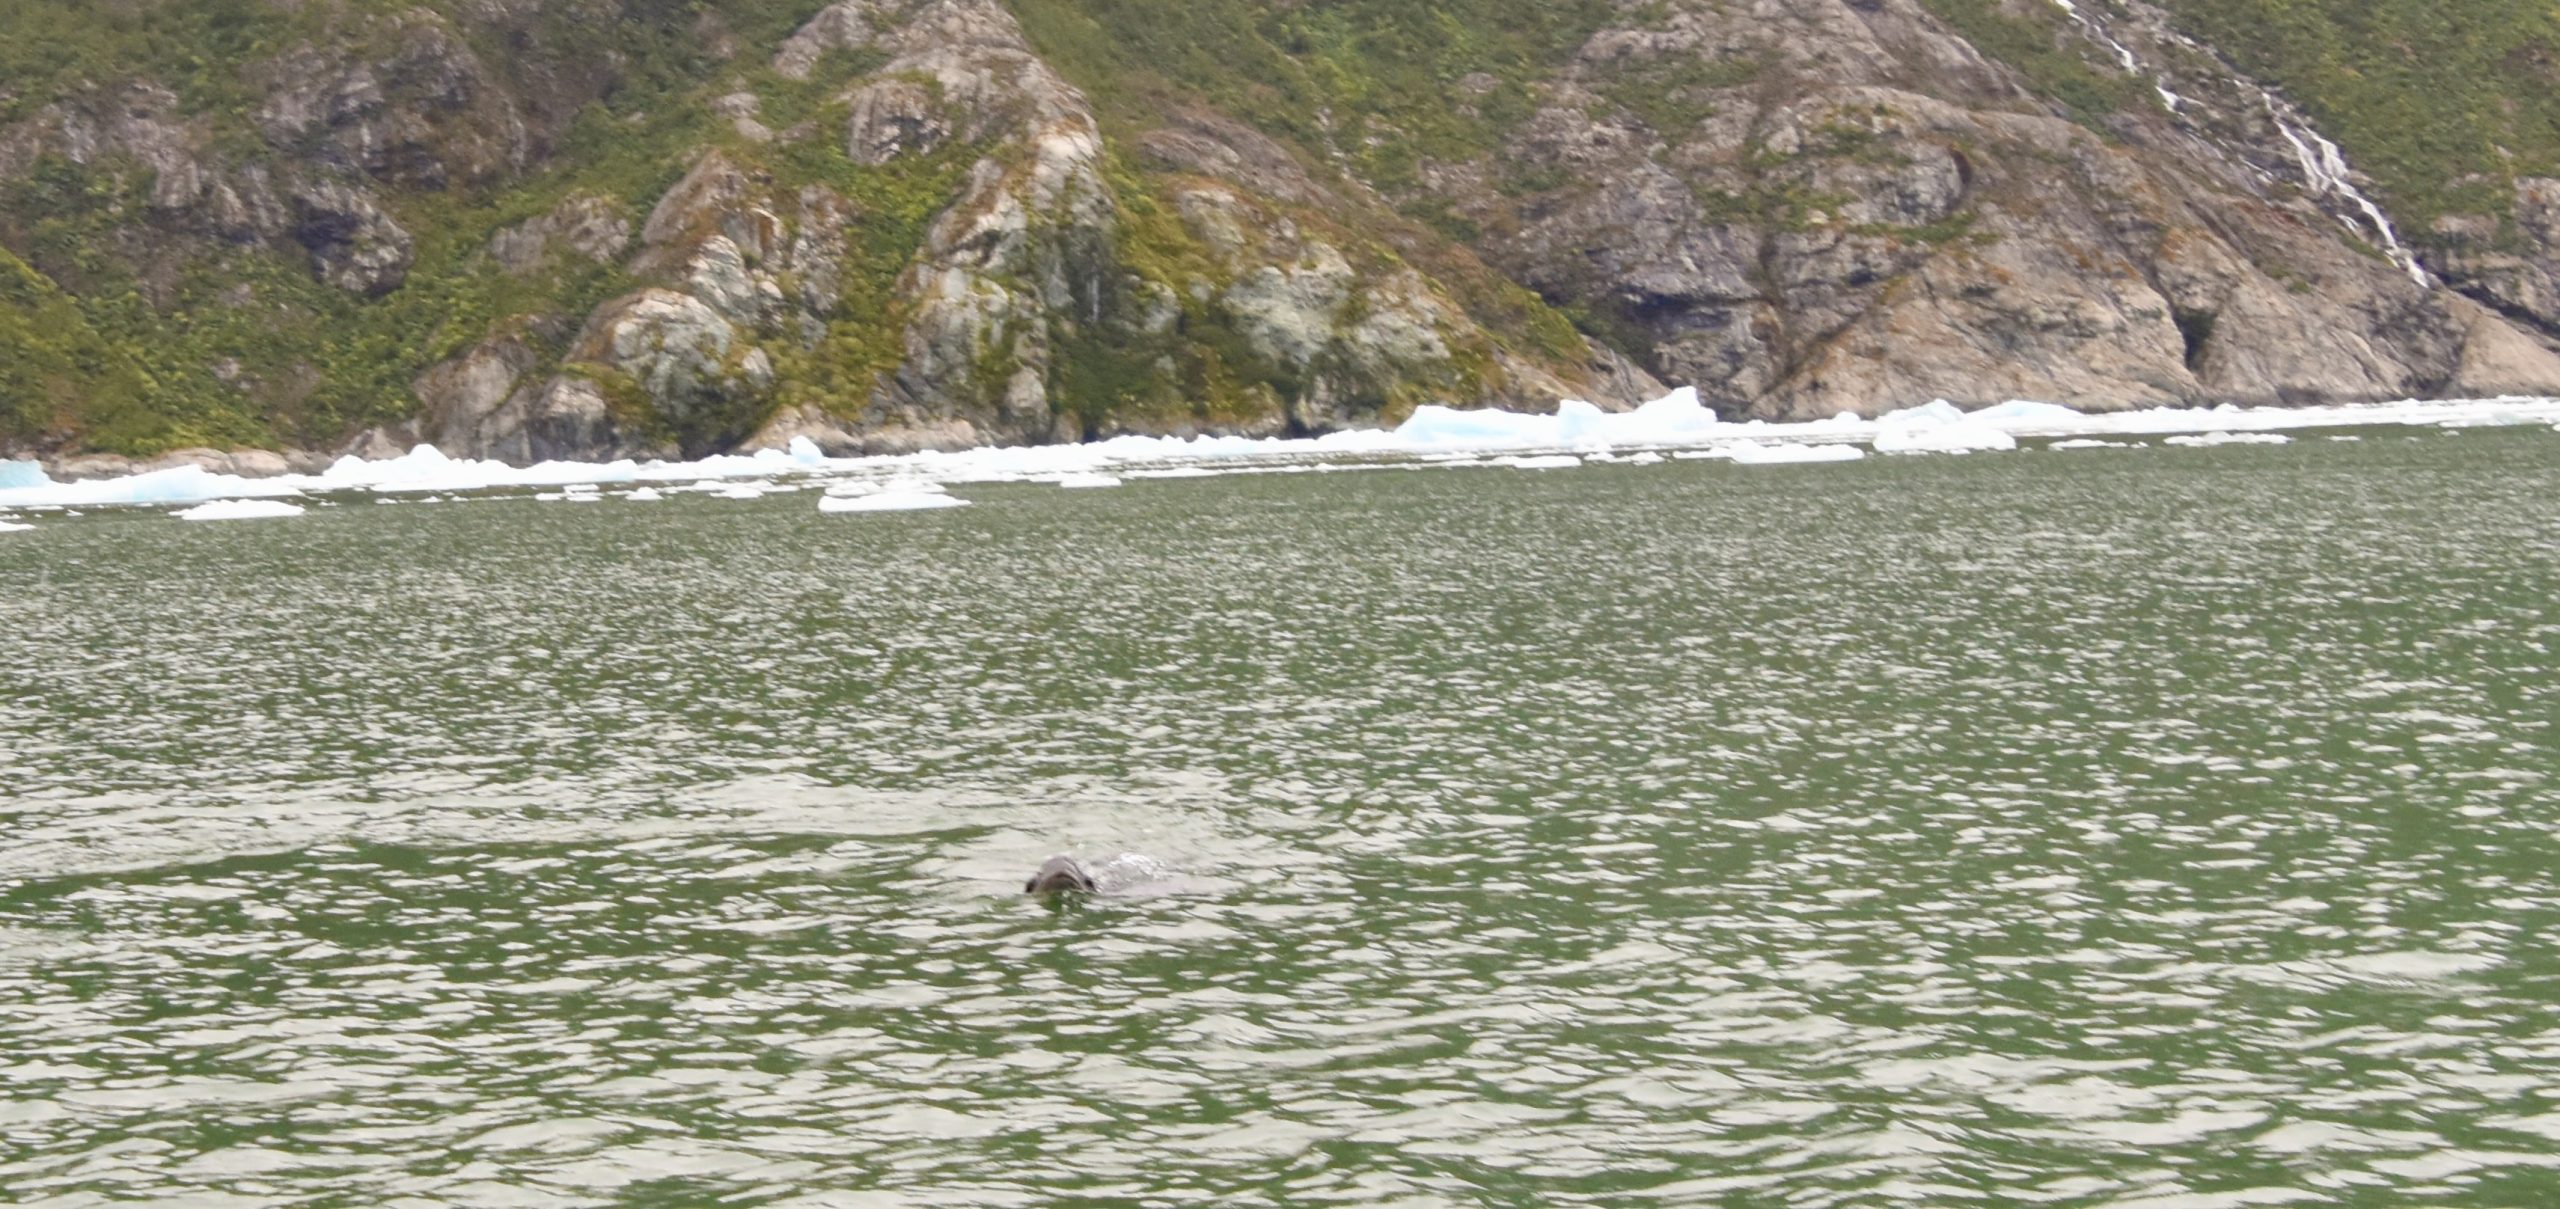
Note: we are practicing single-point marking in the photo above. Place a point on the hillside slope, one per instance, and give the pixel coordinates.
(591, 228)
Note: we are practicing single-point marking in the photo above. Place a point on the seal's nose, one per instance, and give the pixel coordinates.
(1059, 874)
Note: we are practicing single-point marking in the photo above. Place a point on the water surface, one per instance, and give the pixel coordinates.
(2149, 826)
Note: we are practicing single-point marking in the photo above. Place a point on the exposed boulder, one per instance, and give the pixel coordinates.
(426, 115)
(586, 226)
(699, 376)
(354, 245)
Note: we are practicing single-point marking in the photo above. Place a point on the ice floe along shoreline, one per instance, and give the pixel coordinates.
(1575, 433)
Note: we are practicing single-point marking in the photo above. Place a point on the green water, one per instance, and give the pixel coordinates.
(2155, 827)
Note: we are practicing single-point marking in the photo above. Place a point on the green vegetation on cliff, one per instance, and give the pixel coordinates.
(2441, 102)
(164, 331)
(1383, 83)
(2036, 39)
(255, 222)
(1367, 88)
(57, 372)
(198, 340)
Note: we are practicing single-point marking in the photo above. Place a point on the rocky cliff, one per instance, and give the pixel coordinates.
(528, 229)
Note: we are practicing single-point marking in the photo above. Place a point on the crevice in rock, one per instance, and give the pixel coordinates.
(2195, 328)
(2502, 307)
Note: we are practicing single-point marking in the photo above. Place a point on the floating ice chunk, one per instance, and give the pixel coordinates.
(2227, 437)
(1675, 418)
(177, 485)
(2028, 415)
(1952, 438)
(423, 468)
(1933, 414)
(2087, 443)
(1938, 427)
(1435, 426)
(2491, 419)
(1553, 461)
(909, 500)
(1088, 481)
(1646, 458)
(1676, 422)
(1677, 412)
(1578, 421)
(240, 510)
(8, 526)
(1787, 453)
(426, 469)
(860, 487)
(743, 491)
(646, 495)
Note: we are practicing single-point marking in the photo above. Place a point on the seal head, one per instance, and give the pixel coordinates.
(1059, 875)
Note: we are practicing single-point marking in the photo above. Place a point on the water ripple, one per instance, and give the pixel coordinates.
(2053, 831)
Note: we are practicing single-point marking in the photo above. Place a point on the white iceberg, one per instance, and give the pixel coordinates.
(1941, 427)
(645, 495)
(239, 510)
(2502, 418)
(1677, 424)
(1087, 481)
(2231, 438)
(891, 501)
(1787, 453)
(1450, 428)
(13, 527)
(177, 485)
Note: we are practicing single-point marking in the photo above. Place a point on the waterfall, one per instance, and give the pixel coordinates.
(2323, 166)
(2131, 62)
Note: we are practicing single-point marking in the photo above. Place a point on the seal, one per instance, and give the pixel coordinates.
(1060, 874)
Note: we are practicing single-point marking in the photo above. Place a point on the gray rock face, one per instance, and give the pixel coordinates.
(894, 117)
(584, 226)
(491, 402)
(354, 245)
(1873, 215)
(425, 116)
(2509, 262)
(568, 419)
(1799, 206)
(1027, 245)
(677, 348)
(464, 397)
(1021, 289)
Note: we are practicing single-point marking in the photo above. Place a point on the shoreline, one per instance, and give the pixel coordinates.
(1675, 422)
